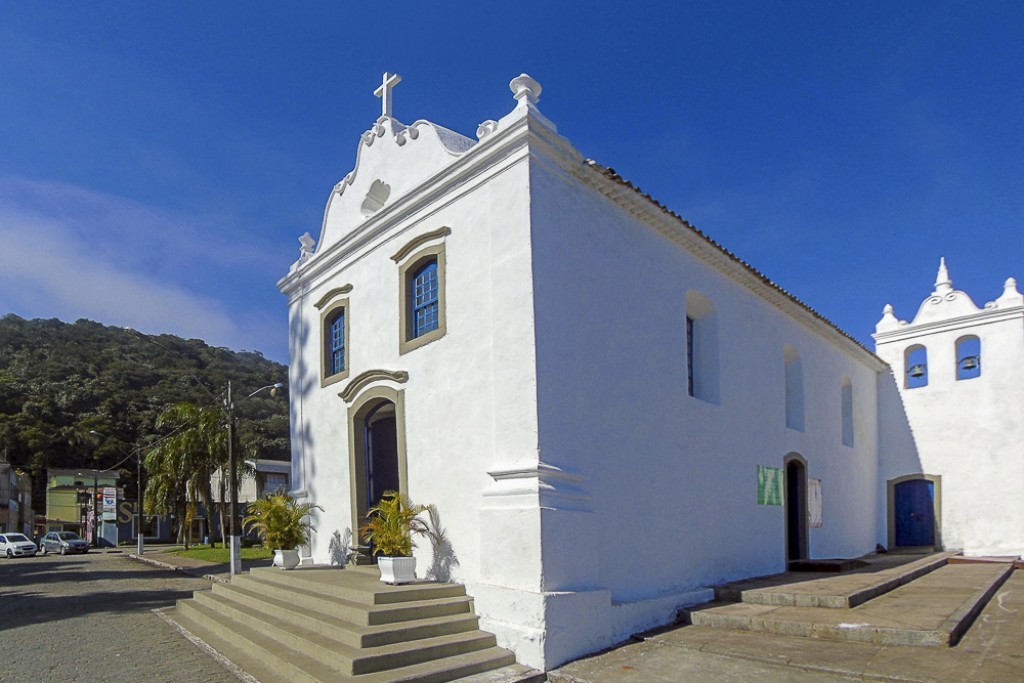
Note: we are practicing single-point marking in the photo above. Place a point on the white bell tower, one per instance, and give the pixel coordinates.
(959, 370)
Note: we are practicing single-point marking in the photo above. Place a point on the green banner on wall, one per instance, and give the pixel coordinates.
(769, 485)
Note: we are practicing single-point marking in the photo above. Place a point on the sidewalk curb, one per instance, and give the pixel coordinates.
(191, 571)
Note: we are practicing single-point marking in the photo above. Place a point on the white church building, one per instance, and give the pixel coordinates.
(610, 411)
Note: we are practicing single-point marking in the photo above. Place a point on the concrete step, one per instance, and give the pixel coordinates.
(335, 653)
(1015, 560)
(356, 584)
(339, 627)
(354, 612)
(257, 654)
(936, 609)
(878, 575)
(271, 662)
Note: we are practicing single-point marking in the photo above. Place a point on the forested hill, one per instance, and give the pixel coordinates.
(60, 380)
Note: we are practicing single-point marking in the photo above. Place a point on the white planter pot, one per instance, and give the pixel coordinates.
(286, 559)
(397, 570)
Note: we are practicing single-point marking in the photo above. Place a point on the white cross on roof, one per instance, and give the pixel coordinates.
(384, 92)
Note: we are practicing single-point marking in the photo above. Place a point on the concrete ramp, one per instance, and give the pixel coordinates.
(924, 602)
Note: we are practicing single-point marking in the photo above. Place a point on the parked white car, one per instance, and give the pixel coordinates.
(16, 545)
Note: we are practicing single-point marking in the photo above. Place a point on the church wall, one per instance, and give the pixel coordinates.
(470, 395)
(672, 479)
(970, 431)
(897, 446)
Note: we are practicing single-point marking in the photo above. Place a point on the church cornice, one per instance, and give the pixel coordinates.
(985, 316)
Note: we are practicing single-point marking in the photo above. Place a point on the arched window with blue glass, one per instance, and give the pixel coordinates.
(334, 357)
(426, 300)
(915, 360)
(968, 357)
(422, 287)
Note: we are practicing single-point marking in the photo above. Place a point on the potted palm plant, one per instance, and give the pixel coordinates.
(390, 525)
(283, 525)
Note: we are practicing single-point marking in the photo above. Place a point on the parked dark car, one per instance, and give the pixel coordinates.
(63, 542)
(16, 545)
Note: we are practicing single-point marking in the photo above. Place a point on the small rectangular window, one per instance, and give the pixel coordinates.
(689, 355)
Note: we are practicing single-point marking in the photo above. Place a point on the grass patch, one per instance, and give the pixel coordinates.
(222, 555)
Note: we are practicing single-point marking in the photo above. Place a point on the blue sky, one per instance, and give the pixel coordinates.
(158, 160)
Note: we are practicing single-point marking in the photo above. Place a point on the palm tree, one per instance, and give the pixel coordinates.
(181, 467)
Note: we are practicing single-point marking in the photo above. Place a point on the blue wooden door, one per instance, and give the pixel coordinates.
(915, 513)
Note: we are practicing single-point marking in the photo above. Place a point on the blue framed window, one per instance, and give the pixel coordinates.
(425, 303)
(336, 343)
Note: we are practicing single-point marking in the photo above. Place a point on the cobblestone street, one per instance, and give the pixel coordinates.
(88, 618)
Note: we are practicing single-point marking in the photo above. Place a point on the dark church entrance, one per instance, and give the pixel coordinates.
(381, 439)
(376, 460)
(796, 509)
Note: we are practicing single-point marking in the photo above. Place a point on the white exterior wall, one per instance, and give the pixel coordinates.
(454, 382)
(671, 480)
(970, 432)
(470, 398)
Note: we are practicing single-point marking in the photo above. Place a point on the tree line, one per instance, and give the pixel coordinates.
(60, 382)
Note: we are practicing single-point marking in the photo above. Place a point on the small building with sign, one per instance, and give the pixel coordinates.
(77, 497)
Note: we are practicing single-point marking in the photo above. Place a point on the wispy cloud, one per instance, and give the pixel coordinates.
(69, 252)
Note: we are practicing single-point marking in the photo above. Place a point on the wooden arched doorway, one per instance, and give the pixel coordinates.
(914, 511)
(376, 449)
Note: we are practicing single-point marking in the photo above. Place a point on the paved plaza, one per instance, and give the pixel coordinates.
(992, 651)
(89, 618)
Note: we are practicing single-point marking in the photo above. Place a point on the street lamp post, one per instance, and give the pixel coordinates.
(236, 539)
(139, 531)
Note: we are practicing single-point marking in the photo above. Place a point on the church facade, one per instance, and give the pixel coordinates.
(609, 411)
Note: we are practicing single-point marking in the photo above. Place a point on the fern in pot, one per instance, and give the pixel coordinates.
(390, 526)
(283, 525)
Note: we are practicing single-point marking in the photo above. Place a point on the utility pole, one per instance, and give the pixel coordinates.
(138, 480)
(236, 541)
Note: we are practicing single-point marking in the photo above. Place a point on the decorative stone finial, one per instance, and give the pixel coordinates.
(307, 243)
(1010, 296)
(524, 87)
(888, 321)
(943, 283)
(384, 93)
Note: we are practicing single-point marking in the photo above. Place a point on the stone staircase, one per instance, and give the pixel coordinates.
(916, 600)
(318, 624)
